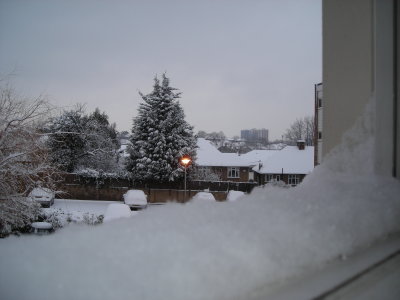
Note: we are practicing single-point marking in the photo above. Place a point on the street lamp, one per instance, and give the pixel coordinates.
(185, 161)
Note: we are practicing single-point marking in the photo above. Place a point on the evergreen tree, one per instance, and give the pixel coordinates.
(66, 140)
(78, 141)
(160, 135)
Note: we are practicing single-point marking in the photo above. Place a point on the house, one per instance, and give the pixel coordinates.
(228, 166)
(290, 164)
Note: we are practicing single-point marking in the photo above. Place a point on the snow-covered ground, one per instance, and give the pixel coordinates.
(214, 250)
(81, 206)
(65, 211)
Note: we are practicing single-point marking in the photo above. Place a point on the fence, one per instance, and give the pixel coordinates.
(89, 188)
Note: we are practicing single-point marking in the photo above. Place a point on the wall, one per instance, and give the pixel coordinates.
(348, 66)
(78, 187)
(223, 172)
(359, 61)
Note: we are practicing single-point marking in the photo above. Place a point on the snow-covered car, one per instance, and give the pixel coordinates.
(44, 196)
(117, 211)
(234, 195)
(203, 196)
(135, 199)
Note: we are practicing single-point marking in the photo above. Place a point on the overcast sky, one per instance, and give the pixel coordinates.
(239, 64)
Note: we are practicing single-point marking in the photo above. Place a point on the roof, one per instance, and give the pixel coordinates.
(255, 156)
(289, 160)
(209, 156)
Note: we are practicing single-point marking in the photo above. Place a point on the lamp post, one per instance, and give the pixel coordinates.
(185, 162)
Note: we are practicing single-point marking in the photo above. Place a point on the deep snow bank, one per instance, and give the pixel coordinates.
(213, 250)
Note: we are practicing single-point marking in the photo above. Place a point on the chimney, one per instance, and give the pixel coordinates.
(301, 144)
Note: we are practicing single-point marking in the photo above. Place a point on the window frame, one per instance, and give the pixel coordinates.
(232, 170)
(293, 179)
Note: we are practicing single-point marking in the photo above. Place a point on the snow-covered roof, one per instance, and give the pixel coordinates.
(289, 160)
(255, 156)
(208, 155)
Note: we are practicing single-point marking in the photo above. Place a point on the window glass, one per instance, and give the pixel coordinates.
(233, 172)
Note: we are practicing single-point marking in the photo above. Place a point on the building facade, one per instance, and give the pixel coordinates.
(289, 165)
(255, 135)
(318, 117)
(361, 63)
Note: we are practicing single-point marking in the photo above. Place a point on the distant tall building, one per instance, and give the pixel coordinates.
(255, 135)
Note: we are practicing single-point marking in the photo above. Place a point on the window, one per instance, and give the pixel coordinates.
(233, 172)
(272, 178)
(319, 102)
(293, 179)
(268, 177)
(319, 135)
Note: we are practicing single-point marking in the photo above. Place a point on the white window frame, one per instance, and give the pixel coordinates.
(293, 179)
(269, 178)
(233, 172)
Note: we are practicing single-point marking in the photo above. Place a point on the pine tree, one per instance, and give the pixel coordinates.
(78, 141)
(66, 139)
(160, 135)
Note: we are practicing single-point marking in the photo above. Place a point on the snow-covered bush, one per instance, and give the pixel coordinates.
(24, 160)
(59, 218)
(54, 217)
(92, 219)
(16, 214)
(101, 177)
(160, 135)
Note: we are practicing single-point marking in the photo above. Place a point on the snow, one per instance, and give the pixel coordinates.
(203, 196)
(255, 156)
(117, 211)
(214, 250)
(76, 211)
(41, 225)
(42, 193)
(81, 206)
(209, 156)
(289, 160)
(135, 197)
(234, 195)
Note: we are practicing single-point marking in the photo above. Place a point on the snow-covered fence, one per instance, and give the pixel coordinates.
(112, 188)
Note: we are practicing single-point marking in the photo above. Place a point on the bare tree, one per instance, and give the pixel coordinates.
(24, 160)
(301, 129)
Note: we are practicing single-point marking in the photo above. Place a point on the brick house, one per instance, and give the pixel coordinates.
(290, 164)
(228, 166)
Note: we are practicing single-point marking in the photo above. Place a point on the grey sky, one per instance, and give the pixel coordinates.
(239, 64)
